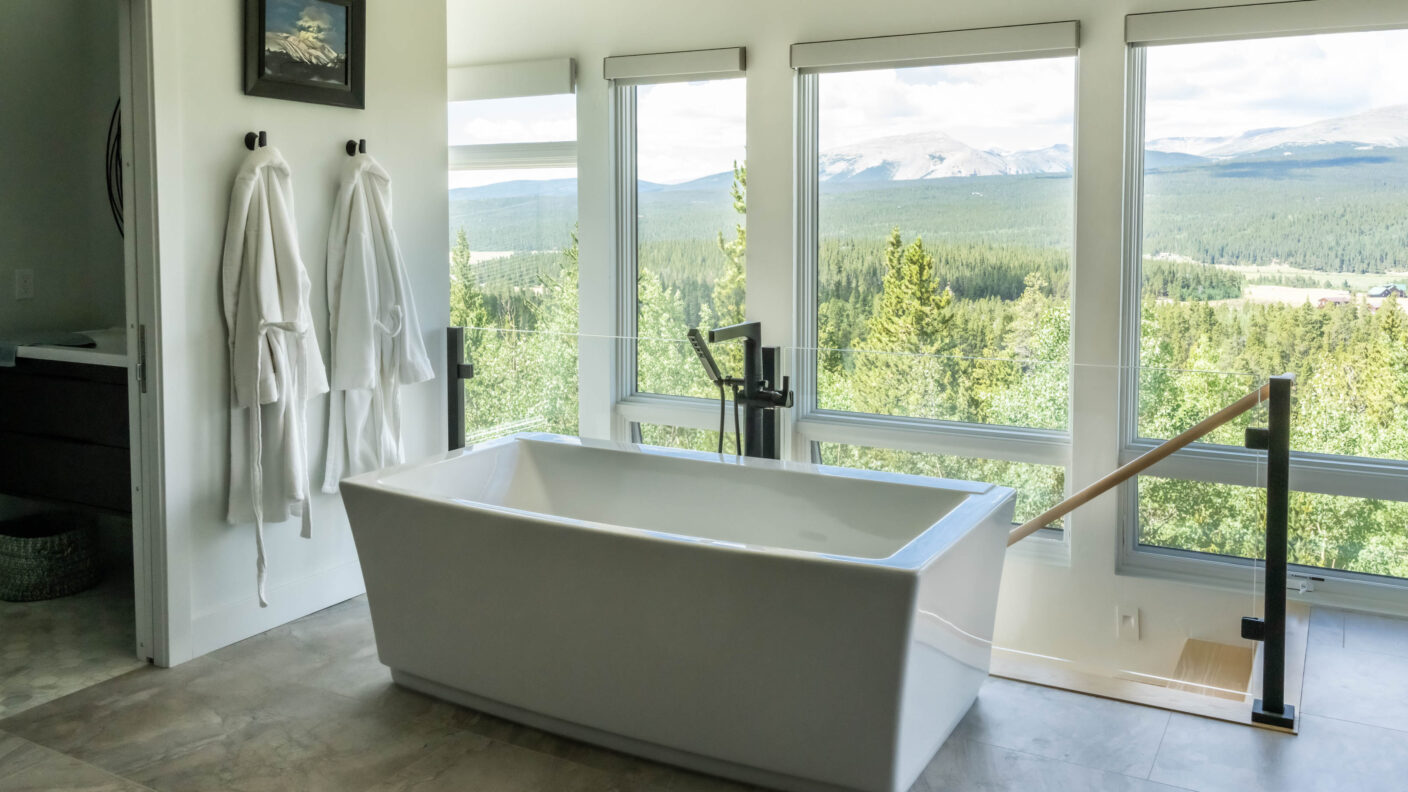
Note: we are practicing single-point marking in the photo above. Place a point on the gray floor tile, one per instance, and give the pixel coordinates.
(1212, 756)
(59, 772)
(1364, 687)
(55, 647)
(206, 726)
(122, 722)
(1057, 724)
(17, 753)
(472, 762)
(1366, 632)
(966, 765)
(333, 649)
(1327, 626)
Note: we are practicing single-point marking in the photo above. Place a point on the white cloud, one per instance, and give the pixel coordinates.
(1009, 105)
(530, 119)
(1225, 88)
(688, 130)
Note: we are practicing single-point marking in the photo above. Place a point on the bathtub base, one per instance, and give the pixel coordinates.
(615, 742)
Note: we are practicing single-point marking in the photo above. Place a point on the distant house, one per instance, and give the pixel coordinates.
(1389, 290)
(1335, 299)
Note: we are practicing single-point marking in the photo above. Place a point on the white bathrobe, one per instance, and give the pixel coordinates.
(375, 339)
(275, 366)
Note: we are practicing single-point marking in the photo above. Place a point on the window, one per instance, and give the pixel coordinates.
(682, 437)
(1327, 531)
(513, 261)
(688, 191)
(936, 229)
(1274, 209)
(944, 241)
(1039, 487)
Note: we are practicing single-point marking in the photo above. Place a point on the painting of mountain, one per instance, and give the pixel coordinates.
(306, 50)
(306, 41)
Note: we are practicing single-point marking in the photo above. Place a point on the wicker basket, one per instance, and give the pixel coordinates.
(45, 556)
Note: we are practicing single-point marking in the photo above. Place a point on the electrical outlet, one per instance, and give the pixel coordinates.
(24, 284)
(1127, 624)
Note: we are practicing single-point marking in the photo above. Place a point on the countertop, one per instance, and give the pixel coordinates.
(111, 350)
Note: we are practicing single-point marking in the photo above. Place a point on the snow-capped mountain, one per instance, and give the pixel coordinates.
(1052, 159)
(1385, 127)
(1195, 146)
(1381, 127)
(934, 155)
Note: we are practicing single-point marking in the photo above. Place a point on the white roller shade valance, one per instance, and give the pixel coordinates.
(508, 80)
(1046, 40)
(710, 64)
(1264, 20)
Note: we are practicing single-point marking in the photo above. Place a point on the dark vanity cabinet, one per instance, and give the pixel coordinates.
(64, 434)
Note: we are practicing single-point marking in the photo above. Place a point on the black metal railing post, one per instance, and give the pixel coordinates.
(1272, 709)
(456, 372)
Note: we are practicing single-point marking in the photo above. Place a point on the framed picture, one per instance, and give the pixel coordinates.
(306, 50)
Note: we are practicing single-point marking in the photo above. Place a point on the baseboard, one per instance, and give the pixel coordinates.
(240, 619)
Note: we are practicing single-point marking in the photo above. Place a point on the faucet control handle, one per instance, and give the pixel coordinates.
(777, 398)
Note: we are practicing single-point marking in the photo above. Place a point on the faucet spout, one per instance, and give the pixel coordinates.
(748, 331)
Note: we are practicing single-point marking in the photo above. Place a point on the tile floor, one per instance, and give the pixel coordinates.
(55, 647)
(308, 707)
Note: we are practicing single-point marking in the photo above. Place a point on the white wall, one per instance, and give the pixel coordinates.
(201, 118)
(58, 84)
(1051, 608)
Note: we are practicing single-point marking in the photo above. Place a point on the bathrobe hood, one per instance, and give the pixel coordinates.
(376, 343)
(275, 364)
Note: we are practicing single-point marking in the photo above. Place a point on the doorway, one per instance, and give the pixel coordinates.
(77, 560)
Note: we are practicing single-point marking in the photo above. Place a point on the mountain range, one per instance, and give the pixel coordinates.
(1382, 127)
(936, 155)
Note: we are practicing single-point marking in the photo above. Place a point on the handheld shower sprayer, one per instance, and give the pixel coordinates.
(706, 358)
(711, 370)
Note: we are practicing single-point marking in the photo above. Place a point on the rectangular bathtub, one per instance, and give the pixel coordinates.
(790, 625)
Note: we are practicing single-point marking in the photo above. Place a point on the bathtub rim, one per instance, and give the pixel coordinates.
(913, 556)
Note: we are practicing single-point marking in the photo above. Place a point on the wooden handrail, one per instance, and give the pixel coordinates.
(1136, 466)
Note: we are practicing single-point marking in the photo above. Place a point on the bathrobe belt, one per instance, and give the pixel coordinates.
(289, 384)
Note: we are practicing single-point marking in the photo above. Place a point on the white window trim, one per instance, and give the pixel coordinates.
(813, 425)
(1012, 42)
(1260, 20)
(711, 64)
(1328, 474)
(511, 80)
(507, 156)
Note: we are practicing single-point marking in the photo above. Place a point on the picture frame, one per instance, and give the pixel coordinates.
(306, 51)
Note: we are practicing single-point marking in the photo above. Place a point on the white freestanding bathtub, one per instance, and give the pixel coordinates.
(784, 624)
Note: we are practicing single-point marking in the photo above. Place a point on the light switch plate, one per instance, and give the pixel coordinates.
(24, 284)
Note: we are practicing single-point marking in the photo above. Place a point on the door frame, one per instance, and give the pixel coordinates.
(140, 256)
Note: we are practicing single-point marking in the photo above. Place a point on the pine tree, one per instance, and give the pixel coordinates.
(730, 288)
(913, 314)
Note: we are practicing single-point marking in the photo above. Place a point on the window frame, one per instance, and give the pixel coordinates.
(813, 425)
(631, 406)
(1311, 472)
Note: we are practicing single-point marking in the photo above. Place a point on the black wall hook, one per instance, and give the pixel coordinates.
(250, 139)
(354, 146)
